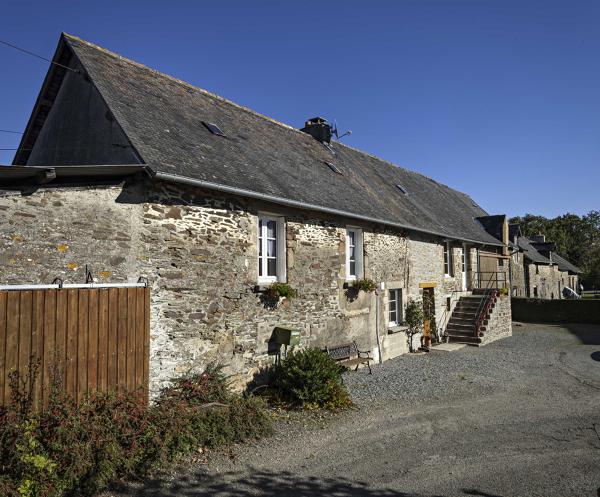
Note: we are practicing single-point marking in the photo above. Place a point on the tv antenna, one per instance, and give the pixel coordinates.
(335, 131)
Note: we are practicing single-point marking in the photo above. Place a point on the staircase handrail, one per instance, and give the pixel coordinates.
(484, 308)
(446, 315)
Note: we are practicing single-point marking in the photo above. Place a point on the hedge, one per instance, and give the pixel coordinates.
(556, 311)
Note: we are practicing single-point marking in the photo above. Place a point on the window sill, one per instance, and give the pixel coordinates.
(396, 329)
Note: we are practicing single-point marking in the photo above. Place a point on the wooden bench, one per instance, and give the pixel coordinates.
(348, 355)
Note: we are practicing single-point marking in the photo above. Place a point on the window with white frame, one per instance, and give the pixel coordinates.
(271, 249)
(354, 253)
(447, 259)
(395, 307)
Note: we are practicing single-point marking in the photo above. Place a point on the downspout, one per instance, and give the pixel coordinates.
(377, 323)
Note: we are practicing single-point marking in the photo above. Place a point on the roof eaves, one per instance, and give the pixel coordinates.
(174, 178)
(25, 175)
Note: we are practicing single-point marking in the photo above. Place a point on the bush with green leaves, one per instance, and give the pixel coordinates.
(277, 290)
(77, 449)
(413, 316)
(309, 378)
(366, 285)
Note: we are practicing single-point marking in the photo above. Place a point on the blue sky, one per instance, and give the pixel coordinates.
(497, 98)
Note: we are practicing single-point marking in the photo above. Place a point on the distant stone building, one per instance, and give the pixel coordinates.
(134, 173)
(537, 270)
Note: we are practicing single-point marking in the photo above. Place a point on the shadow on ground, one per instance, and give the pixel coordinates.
(267, 484)
(588, 334)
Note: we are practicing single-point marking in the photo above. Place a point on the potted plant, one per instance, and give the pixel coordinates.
(281, 290)
(365, 284)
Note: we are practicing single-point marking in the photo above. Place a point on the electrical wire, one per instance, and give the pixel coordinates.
(8, 131)
(36, 55)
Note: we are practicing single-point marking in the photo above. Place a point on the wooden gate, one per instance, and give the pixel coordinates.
(96, 339)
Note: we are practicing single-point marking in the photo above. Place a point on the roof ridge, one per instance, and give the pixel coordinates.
(180, 81)
(251, 111)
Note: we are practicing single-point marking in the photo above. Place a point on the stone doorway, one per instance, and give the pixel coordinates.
(429, 331)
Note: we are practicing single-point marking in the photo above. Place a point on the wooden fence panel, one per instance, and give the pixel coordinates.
(3, 301)
(95, 339)
(12, 339)
(37, 341)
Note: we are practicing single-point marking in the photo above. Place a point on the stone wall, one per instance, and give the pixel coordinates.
(500, 322)
(517, 275)
(547, 279)
(199, 253)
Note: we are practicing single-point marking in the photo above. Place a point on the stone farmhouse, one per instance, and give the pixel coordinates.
(132, 173)
(537, 271)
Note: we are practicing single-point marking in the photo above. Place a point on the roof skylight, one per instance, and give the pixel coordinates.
(402, 189)
(213, 128)
(333, 167)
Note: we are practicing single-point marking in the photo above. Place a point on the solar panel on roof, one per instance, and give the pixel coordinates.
(213, 128)
(333, 167)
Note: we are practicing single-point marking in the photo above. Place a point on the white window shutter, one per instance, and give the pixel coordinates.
(281, 250)
(359, 254)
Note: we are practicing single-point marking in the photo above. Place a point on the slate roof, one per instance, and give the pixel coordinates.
(564, 264)
(530, 252)
(162, 117)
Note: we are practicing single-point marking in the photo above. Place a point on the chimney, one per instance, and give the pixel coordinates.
(319, 129)
(538, 238)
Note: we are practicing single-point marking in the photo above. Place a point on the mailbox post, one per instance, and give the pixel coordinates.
(283, 335)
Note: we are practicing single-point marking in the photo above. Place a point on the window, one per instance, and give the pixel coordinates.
(333, 167)
(537, 269)
(500, 262)
(535, 294)
(213, 128)
(447, 259)
(395, 307)
(354, 253)
(271, 249)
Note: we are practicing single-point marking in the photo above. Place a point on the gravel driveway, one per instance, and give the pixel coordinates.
(519, 417)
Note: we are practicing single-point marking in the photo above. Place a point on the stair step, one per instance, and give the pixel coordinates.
(467, 340)
(461, 333)
(462, 313)
(467, 305)
(462, 320)
(461, 326)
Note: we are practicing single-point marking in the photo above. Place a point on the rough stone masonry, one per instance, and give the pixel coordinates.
(199, 253)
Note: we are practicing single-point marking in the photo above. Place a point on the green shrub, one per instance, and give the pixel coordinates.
(366, 285)
(309, 378)
(277, 290)
(414, 317)
(76, 449)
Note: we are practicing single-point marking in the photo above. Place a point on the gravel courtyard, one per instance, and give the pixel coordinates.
(519, 417)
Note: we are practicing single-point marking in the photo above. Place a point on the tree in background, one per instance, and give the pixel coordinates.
(577, 238)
